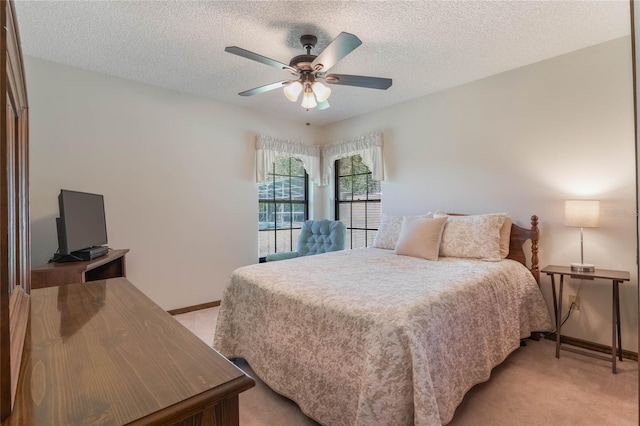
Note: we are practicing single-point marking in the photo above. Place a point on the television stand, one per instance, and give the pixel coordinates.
(111, 265)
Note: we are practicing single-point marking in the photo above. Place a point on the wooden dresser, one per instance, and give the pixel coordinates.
(101, 352)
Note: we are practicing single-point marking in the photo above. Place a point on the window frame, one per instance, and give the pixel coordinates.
(275, 201)
(367, 201)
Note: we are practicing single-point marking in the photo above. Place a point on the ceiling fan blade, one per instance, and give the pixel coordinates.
(258, 58)
(359, 81)
(340, 47)
(323, 105)
(265, 88)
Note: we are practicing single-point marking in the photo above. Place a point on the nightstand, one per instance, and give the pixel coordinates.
(616, 278)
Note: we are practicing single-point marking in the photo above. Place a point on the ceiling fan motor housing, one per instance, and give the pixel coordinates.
(302, 62)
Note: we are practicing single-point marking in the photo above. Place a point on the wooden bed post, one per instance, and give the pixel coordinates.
(535, 269)
(535, 233)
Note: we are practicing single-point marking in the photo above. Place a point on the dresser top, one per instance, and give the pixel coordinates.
(103, 353)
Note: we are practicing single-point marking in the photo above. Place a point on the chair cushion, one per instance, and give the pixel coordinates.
(321, 236)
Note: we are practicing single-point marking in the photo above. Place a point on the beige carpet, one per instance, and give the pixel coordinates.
(531, 387)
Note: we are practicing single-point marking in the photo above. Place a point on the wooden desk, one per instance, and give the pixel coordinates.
(111, 265)
(103, 353)
(616, 277)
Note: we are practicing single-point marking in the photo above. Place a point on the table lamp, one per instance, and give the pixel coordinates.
(582, 214)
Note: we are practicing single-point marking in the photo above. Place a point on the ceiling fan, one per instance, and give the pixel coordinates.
(310, 70)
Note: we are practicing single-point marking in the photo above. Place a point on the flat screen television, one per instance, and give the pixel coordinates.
(82, 224)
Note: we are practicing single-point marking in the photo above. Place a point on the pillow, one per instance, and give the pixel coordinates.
(389, 231)
(505, 232)
(420, 237)
(476, 237)
(505, 237)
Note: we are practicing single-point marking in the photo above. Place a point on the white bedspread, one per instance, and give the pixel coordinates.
(366, 337)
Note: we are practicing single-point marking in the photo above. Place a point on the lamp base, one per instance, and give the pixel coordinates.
(583, 267)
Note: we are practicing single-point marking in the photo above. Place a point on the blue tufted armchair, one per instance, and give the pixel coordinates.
(316, 236)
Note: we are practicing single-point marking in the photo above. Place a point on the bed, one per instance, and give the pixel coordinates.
(370, 337)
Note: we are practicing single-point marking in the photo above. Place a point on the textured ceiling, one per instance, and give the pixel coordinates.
(423, 46)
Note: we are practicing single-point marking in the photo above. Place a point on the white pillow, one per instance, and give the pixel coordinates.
(475, 236)
(420, 237)
(389, 231)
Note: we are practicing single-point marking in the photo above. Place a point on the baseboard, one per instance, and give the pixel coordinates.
(194, 308)
(584, 344)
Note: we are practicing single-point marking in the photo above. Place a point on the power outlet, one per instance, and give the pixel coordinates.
(576, 300)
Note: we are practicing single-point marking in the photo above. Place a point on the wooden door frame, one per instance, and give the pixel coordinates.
(14, 209)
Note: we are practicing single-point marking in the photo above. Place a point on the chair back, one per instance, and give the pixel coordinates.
(321, 236)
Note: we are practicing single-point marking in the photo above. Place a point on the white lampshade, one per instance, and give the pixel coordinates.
(308, 100)
(582, 213)
(293, 90)
(321, 91)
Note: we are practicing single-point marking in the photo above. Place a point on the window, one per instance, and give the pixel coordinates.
(357, 201)
(282, 206)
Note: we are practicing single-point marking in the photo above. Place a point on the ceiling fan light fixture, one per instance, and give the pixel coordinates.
(321, 91)
(293, 90)
(308, 100)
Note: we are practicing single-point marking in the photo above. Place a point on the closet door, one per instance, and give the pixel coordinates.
(14, 209)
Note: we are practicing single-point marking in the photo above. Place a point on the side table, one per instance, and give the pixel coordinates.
(616, 278)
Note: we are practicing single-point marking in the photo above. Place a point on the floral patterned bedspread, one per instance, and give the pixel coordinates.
(367, 337)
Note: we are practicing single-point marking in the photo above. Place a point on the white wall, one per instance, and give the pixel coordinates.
(523, 142)
(177, 173)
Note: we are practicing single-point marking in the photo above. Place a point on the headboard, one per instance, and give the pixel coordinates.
(519, 236)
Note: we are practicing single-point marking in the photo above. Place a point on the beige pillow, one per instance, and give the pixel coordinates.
(475, 236)
(389, 231)
(505, 232)
(505, 236)
(420, 237)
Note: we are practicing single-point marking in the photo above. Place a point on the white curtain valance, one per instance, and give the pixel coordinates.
(369, 147)
(268, 148)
